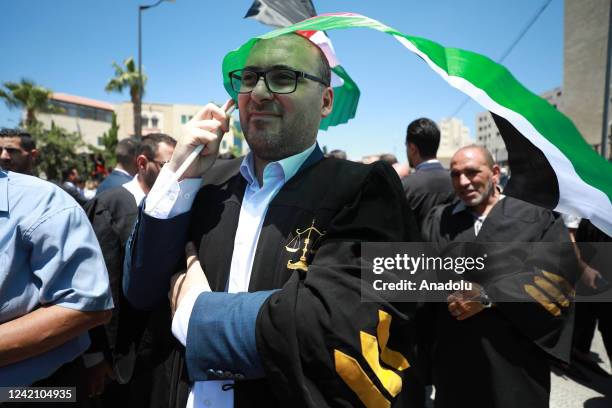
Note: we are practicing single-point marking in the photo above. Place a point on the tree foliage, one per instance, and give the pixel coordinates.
(58, 151)
(109, 140)
(127, 76)
(29, 96)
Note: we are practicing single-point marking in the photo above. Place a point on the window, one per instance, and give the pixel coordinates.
(145, 121)
(154, 122)
(224, 144)
(184, 119)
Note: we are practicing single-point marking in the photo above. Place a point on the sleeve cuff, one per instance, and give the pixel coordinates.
(180, 321)
(221, 335)
(176, 197)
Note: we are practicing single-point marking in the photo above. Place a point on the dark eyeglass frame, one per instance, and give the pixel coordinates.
(264, 74)
(160, 163)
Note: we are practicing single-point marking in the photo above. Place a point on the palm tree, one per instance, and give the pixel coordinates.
(29, 96)
(128, 78)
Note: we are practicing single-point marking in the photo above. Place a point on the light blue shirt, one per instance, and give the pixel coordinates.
(49, 255)
(429, 164)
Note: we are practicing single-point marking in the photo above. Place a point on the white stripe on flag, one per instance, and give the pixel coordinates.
(574, 193)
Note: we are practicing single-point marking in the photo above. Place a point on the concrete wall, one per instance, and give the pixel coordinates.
(89, 129)
(584, 52)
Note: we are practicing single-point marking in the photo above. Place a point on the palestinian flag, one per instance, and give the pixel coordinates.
(282, 13)
(551, 164)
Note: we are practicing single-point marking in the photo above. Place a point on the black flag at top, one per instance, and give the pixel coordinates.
(281, 13)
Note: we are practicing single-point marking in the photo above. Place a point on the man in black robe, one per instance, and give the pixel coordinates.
(492, 343)
(283, 227)
(131, 347)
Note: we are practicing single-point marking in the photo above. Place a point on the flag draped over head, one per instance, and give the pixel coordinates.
(551, 164)
(282, 13)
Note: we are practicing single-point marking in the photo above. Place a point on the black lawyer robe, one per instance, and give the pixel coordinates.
(318, 314)
(498, 357)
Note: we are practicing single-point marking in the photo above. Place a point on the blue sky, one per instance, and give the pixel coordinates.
(69, 46)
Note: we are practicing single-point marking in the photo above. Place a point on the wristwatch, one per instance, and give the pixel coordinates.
(484, 299)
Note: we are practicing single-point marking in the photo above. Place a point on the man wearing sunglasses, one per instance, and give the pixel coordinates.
(17, 151)
(117, 351)
(279, 321)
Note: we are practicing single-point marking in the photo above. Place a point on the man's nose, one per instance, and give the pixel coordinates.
(261, 92)
(4, 154)
(464, 180)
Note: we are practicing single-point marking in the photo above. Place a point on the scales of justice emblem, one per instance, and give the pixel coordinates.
(294, 245)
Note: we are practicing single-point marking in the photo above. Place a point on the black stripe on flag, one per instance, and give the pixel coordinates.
(532, 178)
(281, 13)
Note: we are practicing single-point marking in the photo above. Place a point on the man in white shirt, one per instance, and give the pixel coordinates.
(115, 347)
(278, 235)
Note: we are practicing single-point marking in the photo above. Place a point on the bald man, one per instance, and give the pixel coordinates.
(492, 344)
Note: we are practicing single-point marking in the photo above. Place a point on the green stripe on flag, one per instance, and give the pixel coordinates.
(585, 178)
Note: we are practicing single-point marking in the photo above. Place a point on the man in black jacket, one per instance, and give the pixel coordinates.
(279, 237)
(430, 184)
(116, 350)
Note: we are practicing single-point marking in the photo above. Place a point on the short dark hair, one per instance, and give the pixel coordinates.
(425, 135)
(67, 172)
(338, 154)
(149, 144)
(27, 141)
(388, 157)
(126, 151)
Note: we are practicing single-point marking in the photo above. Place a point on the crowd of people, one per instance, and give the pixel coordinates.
(185, 290)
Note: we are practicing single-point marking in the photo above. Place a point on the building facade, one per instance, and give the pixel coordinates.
(91, 118)
(453, 135)
(586, 24)
(487, 134)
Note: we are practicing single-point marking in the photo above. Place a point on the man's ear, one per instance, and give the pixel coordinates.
(141, 162)
(496, 173)
(328, 101)
(33, 154)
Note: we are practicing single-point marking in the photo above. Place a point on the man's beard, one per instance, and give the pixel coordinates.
(484, 196)
(285, 142)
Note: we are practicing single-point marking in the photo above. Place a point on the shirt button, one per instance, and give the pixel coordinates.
(210, 373)
(239, 376)
(187, 195)
(227, 374)
(219, 373)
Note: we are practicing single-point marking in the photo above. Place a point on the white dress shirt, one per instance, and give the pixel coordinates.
(178, 200)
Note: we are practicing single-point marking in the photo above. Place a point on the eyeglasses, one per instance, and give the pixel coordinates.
(278, 81)
(160, 163)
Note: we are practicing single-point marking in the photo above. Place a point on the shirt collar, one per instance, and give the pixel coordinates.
(122, 171)
(460, 206)
(133, 186)
(4, 204)
(431, 163)
(285, 168)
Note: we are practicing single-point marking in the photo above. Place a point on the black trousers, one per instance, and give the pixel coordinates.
(588, 315)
